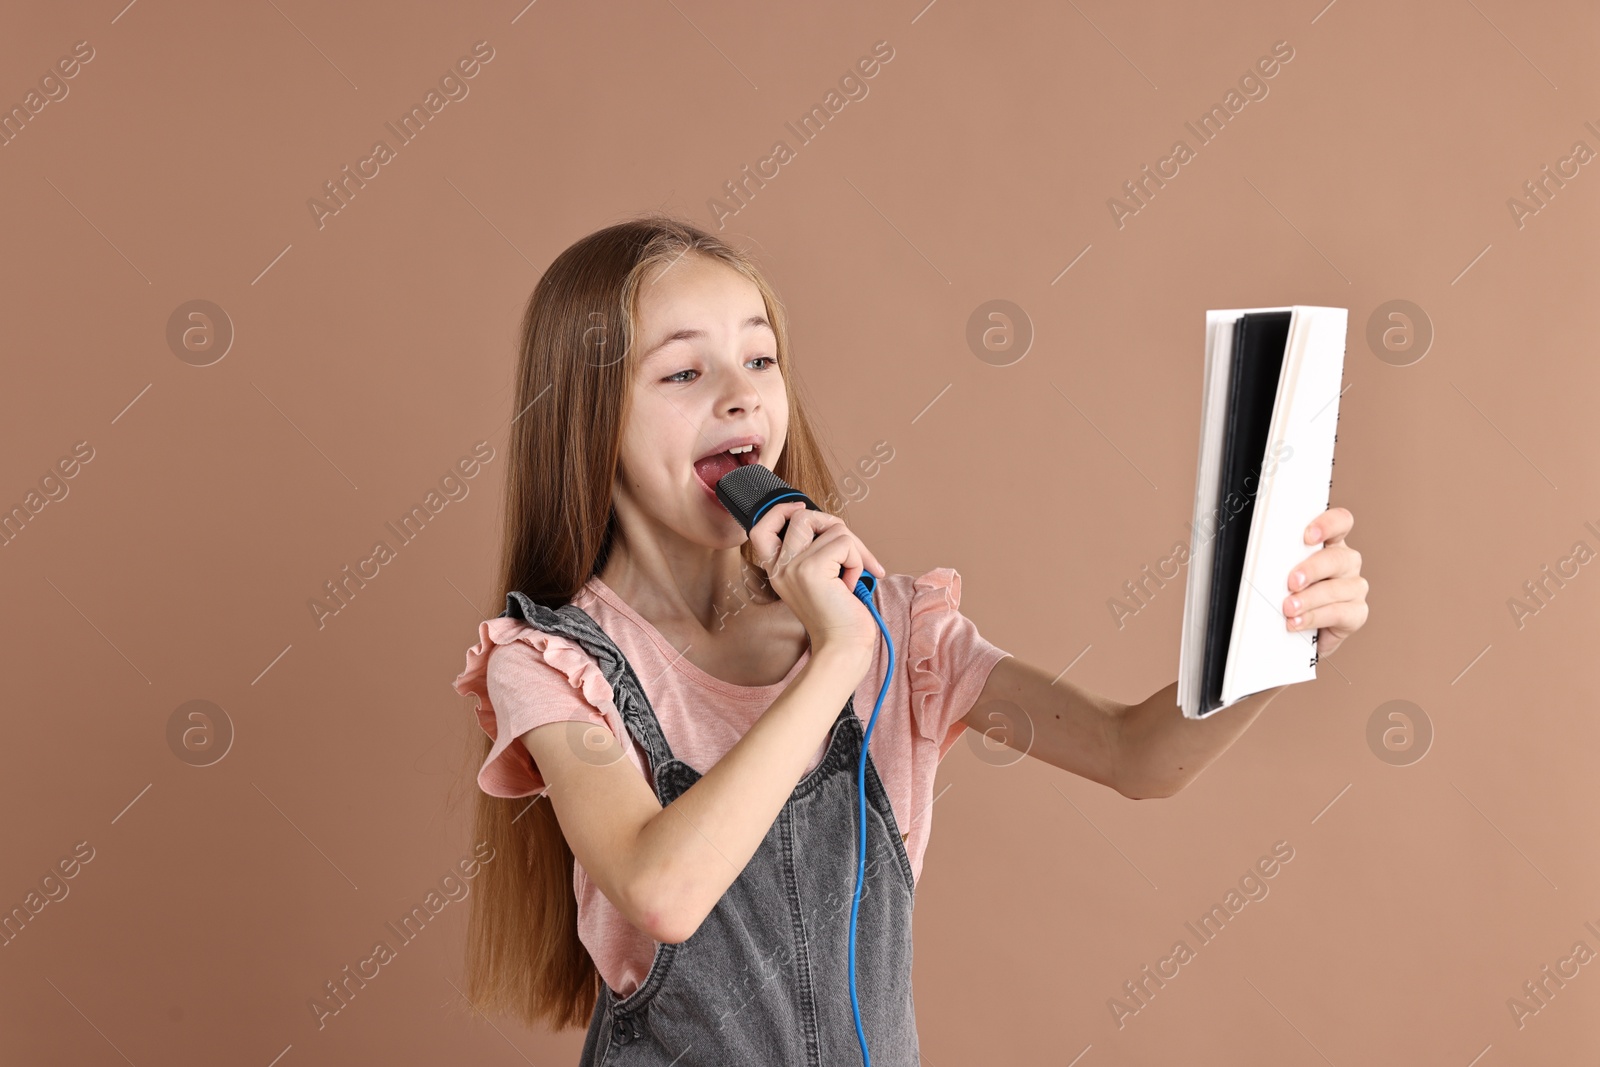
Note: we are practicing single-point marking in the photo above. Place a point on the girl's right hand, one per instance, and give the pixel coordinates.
(804, 570)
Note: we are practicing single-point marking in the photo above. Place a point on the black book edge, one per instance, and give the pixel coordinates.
(1260, 345)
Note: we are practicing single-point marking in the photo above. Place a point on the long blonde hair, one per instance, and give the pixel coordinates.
(523, 956)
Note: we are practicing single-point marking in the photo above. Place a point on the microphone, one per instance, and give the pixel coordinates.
(748, 491)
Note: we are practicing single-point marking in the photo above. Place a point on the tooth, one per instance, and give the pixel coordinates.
(741, 448)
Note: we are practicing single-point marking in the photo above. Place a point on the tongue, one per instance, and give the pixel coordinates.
(712, 468)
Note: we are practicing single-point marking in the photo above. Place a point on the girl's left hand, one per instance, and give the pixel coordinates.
(1327, 590)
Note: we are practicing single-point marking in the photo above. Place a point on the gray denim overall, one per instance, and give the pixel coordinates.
(765, 980)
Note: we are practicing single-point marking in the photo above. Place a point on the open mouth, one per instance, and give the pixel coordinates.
(712, 468)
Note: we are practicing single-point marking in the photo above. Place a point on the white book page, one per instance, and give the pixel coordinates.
(1293, 490)
(1220, 325)
(1202, 530)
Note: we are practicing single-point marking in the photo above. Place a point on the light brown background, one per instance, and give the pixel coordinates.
(371, 354)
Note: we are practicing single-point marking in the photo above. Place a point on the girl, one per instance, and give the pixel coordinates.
(691, 700)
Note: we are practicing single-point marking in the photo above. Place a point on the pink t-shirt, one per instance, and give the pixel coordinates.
(941, 665)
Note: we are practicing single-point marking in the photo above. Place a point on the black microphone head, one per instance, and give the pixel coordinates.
(748, 491)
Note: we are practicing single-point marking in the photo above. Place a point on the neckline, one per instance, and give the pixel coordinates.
(678, 662)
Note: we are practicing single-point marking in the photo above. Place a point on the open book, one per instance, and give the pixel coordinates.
(1268, 422)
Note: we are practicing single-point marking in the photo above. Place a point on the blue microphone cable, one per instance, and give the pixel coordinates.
(747, 492)
(866, 586)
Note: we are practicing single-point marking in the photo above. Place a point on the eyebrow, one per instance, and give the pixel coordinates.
(690, 333)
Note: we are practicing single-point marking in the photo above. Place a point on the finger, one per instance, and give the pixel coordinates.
(1343, 617)
(783, 512)
(1332, 561)
(1327, 591)
(1330, 527)
(837, 550)
(869, 562)
(864, 558)
(764, 534)
(804, 526)
(773, 519)
(824, 532)
(854, 562)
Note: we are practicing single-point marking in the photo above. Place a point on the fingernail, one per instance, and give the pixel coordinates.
(1297, 579)
(1313, 534)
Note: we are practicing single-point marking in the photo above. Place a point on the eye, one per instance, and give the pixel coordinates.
(679, 379)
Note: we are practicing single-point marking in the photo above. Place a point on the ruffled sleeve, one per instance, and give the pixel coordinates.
(948, 659)
(537, 678)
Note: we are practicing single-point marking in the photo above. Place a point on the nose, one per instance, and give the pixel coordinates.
(739, 394)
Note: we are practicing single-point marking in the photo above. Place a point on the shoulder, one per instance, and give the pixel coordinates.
(531, 650)
(923, 612)
(515, 660)
(921, 598)
(520, 678)
(946, 658)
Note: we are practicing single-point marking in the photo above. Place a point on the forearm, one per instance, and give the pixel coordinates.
(1159, 751)
(698, 844)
